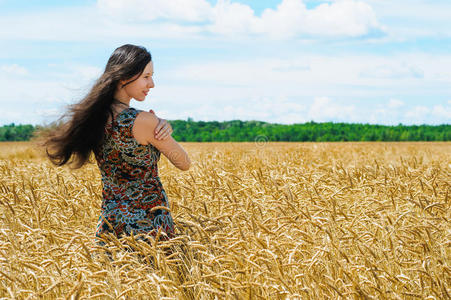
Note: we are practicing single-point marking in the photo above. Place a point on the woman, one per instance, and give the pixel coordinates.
(125, 147)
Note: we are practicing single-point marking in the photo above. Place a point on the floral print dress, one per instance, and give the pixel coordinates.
(134, 200)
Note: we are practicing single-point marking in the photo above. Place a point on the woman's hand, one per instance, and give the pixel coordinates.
(163, 129)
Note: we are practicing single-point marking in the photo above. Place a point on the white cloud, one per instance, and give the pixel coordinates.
(433, 114)
(345, 17)
(274, 109)
(36, 98)
(397, 111)
(232, 18)
(112, 19)
(65, 24)
(408, 19)
(85, 72)
(291, 65)
(14, 69)
(442, 112)
(150, 10)
(305, 74)
(418, 114)
(269, 89)
(324, 109)
(392, 71)
(290, 18)
(389, 113)
(395, 103)
(128, 19)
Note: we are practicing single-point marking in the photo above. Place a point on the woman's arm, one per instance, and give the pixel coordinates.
(143, 131)
(163, 129)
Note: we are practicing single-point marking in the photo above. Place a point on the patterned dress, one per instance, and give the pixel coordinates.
(133, 197)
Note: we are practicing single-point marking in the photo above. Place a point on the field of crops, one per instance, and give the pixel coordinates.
(254, 221)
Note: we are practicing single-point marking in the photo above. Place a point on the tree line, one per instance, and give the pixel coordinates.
(242, 131)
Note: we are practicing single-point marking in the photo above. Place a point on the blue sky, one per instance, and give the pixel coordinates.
(280, 61)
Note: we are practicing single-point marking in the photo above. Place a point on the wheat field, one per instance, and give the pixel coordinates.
(254, 221)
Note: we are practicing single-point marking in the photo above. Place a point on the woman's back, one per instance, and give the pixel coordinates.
(131, 186)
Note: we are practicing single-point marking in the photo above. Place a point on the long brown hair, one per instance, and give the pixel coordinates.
(83, 133)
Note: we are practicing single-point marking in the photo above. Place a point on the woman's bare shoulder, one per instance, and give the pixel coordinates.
(144, 126)
(146, 119)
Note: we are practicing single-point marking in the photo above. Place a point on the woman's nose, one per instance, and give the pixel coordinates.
(151, 84)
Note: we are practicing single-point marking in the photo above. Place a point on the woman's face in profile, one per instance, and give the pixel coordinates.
(139, 88)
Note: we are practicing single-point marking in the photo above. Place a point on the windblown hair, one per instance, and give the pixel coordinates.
(74, 140)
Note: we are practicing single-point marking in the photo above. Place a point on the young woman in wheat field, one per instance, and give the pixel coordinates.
(127, 143)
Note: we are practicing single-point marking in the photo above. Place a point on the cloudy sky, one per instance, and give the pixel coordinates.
(280, 61)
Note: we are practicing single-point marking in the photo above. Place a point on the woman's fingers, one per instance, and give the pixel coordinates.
(159, 126)
(163, 129)
(164, 134)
